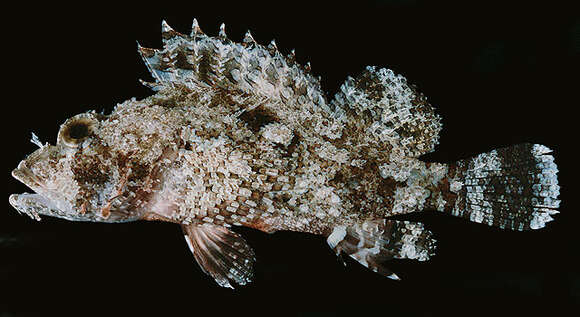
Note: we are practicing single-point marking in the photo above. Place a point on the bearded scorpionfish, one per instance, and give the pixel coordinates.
(237, 134)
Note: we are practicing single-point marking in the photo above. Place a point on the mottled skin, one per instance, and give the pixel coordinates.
(238, 134)
(125, 169)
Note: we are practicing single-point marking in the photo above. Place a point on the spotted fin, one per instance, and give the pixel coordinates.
(385, 111)
(197, 60)
(512, 188)
(221, 253)
(374, 242)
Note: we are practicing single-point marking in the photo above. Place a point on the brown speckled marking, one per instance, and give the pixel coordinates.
(88, 170)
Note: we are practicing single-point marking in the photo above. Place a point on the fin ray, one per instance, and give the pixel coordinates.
(383, 110)
(218, 62)
(374, 242)
(512, 188)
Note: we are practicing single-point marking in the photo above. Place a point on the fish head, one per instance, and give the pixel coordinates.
(81, 178)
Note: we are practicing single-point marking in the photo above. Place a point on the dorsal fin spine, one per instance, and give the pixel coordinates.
(195, 29)
(222, 33)
(247, 67)
(248, 39)
(165, 28)
(272, 48)
(146, 54)
(291, 58)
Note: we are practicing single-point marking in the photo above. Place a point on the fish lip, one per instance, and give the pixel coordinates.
(23, 174)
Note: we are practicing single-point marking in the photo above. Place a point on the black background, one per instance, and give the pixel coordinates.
(499, 74)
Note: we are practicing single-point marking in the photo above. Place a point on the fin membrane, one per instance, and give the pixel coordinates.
(374, 242)
(221, 253)
(198, 60)
(383, 110)
(512, 188)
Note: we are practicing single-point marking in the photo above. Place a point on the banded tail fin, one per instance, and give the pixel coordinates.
(374, 242)
(512, 188)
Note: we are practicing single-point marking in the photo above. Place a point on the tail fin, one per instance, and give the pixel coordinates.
(512, 188)
(374, 242)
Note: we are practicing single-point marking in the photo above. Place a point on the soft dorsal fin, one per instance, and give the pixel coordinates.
(198, 60)
(221, 253)
(374, 242)
(384, 111)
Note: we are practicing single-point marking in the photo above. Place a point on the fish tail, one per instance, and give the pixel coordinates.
(512, 188)
(374, 242)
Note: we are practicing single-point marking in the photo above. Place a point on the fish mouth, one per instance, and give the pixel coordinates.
(31, 204)
(48, 202)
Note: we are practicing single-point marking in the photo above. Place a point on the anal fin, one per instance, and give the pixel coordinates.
(221, 253)
(374, 242)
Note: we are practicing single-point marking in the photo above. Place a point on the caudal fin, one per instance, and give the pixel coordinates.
(374, 242)
(512, 188)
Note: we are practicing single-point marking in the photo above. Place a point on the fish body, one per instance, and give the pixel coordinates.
(238, 134)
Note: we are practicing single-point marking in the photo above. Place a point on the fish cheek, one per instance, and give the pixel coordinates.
(91, 175)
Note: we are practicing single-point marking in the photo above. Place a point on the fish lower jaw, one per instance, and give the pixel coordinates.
(30, 204)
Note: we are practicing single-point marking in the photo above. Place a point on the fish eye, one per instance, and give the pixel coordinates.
(78, 131)
(75, 130)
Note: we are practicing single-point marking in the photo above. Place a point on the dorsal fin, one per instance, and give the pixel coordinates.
(386, 112)
(199, 60)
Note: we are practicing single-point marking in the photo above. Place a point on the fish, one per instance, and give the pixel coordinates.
(239, 134)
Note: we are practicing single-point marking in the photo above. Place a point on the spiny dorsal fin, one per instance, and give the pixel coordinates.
(199, 60)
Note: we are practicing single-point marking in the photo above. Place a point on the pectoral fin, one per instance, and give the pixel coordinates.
(221, 253)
